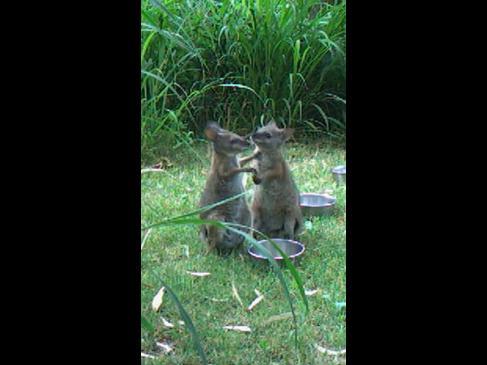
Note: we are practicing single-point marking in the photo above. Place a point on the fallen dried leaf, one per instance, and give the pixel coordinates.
(163, 164)
(198, 273)
(142, 354)
(330, 352)
(166, 323)
(278, 317)
(165, 347)
(157, 301)
(235, 294)
(256, 300)
(311, 292)
(145, 238)
(238, 328)
(150, 170)
(186, 250)
(254, 303)
(181, 323)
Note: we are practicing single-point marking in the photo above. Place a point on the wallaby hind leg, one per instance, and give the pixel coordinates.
(215, 236)
(289, 225)
(223, 252)
(211, 246)
(204, 236)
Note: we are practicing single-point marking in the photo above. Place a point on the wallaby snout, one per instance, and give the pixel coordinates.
(245, 142)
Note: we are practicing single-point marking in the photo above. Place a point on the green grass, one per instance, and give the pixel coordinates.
(241, 62)
(171, 251)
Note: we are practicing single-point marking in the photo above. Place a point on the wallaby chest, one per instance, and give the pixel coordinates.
(277, 188)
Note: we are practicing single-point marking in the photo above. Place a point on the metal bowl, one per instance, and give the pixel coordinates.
(340, 174)
(316, 204)
(291, 248)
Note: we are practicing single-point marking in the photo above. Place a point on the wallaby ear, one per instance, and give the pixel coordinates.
(211, 131)
(287, 133)
(272, 123)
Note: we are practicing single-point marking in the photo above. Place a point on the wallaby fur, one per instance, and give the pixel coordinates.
(275, 206)
(224, 181)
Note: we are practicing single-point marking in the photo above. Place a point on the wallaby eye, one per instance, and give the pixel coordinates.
(267, 135)
(233, 141)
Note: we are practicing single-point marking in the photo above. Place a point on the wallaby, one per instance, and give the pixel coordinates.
(224, 181)
(275, 206)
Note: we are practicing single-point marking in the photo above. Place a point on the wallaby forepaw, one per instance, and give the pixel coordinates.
(257, 180)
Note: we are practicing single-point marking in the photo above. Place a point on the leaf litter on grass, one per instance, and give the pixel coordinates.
(199, 274)
(238, 328)
(157, 301)
(255, 301)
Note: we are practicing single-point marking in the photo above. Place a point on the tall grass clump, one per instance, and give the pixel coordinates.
(240, 62)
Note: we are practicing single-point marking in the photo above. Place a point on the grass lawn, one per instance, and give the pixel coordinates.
(172, 251)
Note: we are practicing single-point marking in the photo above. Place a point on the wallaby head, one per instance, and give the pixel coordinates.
(225, 141)
(270, 136)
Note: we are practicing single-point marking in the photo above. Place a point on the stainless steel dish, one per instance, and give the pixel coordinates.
(340, 174)
(313, 204)
(291, 248)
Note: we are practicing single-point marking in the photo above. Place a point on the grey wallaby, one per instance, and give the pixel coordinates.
(275, 206)
(224, 181)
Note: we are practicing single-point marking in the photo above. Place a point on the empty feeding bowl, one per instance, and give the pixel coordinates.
(291, 248)
(340, 174)
(316, 204)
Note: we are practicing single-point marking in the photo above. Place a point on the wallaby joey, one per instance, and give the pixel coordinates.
(275, 205)
(224, 181)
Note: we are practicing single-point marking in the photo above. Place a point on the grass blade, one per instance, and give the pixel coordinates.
(198, 211)
(146, 324)
(240, 86)
(186, 318)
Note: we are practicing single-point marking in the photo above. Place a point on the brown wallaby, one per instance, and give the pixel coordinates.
(224, 181)
(275, 205)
